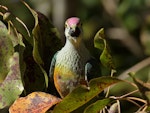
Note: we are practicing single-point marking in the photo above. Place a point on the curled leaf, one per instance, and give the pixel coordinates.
(45, 39)
(36, 102)
(101, 44)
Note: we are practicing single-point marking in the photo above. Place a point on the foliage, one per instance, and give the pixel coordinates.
(25, 55)
(11, 85)
(80, 96)
(36, 102)
(101, 44)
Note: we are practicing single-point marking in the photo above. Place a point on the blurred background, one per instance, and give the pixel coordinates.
(126, 23)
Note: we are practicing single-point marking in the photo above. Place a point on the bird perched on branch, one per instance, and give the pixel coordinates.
(72, 65)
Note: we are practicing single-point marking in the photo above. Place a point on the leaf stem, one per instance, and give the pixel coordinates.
(142, 108)
(108, 89)
(133, 102)
(137, 99)
(119, 110)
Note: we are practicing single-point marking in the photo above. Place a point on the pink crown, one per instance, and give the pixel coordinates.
(73, 21)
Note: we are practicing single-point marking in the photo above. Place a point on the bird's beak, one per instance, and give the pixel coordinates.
(74, 31)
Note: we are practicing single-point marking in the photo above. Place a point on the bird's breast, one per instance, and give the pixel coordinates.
(70, 63)
(69, 69)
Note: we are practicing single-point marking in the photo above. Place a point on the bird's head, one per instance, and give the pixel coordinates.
(73, 29)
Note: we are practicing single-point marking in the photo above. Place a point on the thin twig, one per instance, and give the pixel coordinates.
(123, 96)
(129, 98)
(142, 108)
(130, 93)
(104, 110)
(1, 14)
(145, 107)
(21, 22)
(108, 89)
(5, 8)
(133, 102)
(119, 109)
(137, 99)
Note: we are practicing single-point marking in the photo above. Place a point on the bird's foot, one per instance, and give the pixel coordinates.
(85, 84)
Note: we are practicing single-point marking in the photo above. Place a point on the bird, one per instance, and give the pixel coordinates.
(73, 64)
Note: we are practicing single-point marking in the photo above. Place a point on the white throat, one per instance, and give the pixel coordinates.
(73, 57)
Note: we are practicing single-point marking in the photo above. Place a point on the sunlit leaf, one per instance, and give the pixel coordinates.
(11, 83)
(36, 102)
(12, 86)
(98, 105)
(98, 39)
(80, 95)
(100, 43)
(6, 51)
(18, 44)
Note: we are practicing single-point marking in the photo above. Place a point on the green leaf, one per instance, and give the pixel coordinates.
(10, 76)
(6, 51)
(82, 108)
(81, 95)
(12, 86)
(101, 44)
(44, 36)
(98, 42)
(98, 105)
(18, 45)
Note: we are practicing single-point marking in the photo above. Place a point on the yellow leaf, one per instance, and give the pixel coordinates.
(36, 102)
